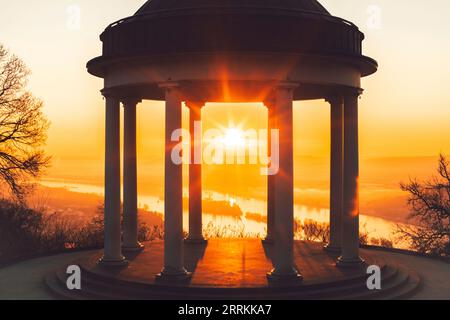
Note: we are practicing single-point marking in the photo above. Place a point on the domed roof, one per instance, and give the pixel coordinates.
(312, 6)
(211, 27)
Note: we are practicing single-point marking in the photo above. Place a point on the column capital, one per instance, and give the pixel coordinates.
(287, 86)
(335, 99)
(195, 104)
(108, 93)
(127, 101)
(353, 92)
(269, 102)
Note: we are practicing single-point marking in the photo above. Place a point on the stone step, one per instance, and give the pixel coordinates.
(388, 274)
(387, 287)
(217, 293)
(408, 290)
(99, 288)
(402, 287)
(59, 290)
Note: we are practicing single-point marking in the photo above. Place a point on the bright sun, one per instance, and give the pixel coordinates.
(234, 138)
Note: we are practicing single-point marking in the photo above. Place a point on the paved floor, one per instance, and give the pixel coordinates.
(229, 263)
(245, 262)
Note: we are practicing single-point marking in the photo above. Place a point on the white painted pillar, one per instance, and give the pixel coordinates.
(283, 260)
(350, 219)
(195, 174)
(173, 195)
(270, 237)
(113, 251)
(336, 174)
(130, 198)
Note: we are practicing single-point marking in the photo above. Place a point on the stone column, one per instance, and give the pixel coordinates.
(336, 174)
(130, 199)
(350, 218)
(113, 250)
(270, 178)
(283, 259)
(173, 195)
(195, 174)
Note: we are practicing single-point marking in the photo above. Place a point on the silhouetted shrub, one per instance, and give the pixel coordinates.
(382, 242)
(429, 202)
(28, 232)
(20, 230)
(146, 233)
(234, 231)
(386, 243)
(363, 238)
(364, 235)
(316, 231)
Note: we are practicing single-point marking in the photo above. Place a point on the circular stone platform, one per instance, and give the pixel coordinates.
(235, 269)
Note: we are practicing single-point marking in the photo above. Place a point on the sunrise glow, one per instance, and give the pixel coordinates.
(234, 138)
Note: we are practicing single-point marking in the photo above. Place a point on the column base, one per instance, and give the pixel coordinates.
(268, 241)
(332, 249)
(292, 278)
(350, 263)
(171, 277)
(104, 262)
(137, 248)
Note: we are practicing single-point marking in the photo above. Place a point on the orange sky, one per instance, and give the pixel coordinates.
(405, 110)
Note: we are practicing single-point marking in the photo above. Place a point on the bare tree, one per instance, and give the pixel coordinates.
(23, 126)
(430, 212)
